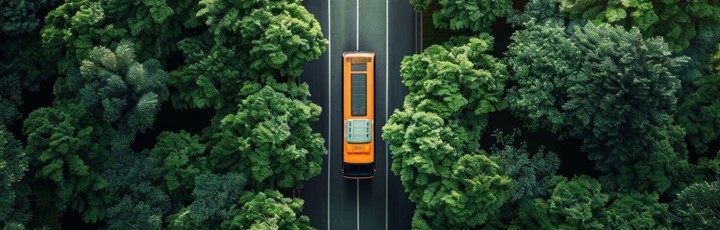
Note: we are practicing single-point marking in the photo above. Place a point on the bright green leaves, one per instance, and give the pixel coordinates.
(678, 21)
(270, 139)
(183, 159)
(481, 191)
(268, 210)
(434, 144)
(696, 207)
(637, 211)
(70, 152)
(420, 5)
(602, 84)
(456, 78)
(282, 40)
(580, 204)
(254, 41)
(476, 15)
(78, 23)
(212, 73)
(77, 26)
(715, 60)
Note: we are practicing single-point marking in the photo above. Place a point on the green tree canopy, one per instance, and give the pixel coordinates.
(699, 113)
(268, 210)
(435, 147)
(476, 15)
(420, 5)
(215, 200)
(536, 10)
(696, 206)
(602, 84)
(13, 165)
(182, 158)
(253, 41)
(269, 139)
(10, 92)
(579, 203)
(115, 88)
(20, 17)
(678, 21)
(531, 174)
(139, 202)
(75, 27)
(70, 152)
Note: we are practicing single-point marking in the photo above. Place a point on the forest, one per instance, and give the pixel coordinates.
(521, 114)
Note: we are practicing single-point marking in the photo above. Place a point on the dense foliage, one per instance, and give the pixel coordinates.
(636, 84)
(113, 65)
(697, 205)
(700, 112)
(609, 87)
(270, 138)
(635, 87)
(678, 21)
(475, 15)
(13, 165)
(434, 150)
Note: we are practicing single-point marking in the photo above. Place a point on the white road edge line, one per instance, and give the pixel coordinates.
(387, 81)
(329, 112)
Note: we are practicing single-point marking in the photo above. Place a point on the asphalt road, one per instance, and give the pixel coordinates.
(391, 29)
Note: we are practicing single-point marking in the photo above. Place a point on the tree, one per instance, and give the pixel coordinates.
(636, 211)
(476, 15)
(115, 88)
(456, 79)
(433, 144)
(70, 152)
(182, 158)
(715, 60)
(13, 165)
(536, 10)
(10, 99)
(139, 202)
(254, 41)
(664, 171)
(75, 27)
(215, 200)
(696, 207)
(678, 21)
(268, 210)
(580, 203)
(531, 174)
(269, 139)
(699, 114)
(420, 5)
(20, 17)
(603, 84)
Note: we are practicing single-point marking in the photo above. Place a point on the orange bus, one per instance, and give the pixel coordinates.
(358, 115)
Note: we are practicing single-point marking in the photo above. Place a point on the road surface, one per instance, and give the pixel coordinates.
(392, 30)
